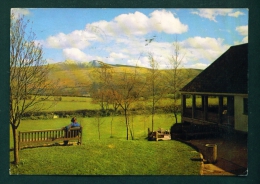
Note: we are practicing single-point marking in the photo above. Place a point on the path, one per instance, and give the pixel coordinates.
(231, 155)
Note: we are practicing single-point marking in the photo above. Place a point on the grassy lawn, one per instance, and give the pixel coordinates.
(140, 124)
(108, 156)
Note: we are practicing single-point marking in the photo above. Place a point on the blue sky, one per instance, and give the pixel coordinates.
(119, 36)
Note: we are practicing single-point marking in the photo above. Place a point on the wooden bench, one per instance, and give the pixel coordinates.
(157, 134)
(42, 136)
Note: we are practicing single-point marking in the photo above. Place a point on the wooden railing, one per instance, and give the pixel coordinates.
(228, 121)
(27, 137)
(199, 114)
(213, 117)
(187, 113)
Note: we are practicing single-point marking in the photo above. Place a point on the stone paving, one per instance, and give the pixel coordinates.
(231, 155)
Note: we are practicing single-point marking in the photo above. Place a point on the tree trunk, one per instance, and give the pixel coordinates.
(98, 131)
(176, 118)
(126, 123)
(133, 135)
(131, 129)
(16, 150)
(111, 123)
(152, 119)
(126, 131)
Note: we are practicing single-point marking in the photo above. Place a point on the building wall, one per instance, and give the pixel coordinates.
(241, 119)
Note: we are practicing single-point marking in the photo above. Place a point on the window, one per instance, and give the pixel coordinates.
(245, 104)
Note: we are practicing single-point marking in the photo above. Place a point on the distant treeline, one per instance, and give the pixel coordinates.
(90, 113)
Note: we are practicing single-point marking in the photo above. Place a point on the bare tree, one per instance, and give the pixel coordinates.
(119, 90)
(104, 95)
(28, 76)
(112, 100)
(176, 77)
(127, 88)
(103, 78)
(155, 85)
(98, 121)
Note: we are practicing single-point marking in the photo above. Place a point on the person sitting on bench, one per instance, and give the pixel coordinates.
(73, 123)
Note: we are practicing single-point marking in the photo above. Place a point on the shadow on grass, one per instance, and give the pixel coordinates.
(196, 159)
(45, 145)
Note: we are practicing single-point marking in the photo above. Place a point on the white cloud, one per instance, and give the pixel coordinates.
(199, 66)
(137, 47)
(120, 40)
(133, 23)
(192, 50)
(139, 24)
(123, 40)
(198, 49)
(77, 39)
(19, 12)
(124, 24)
(243, 30)
(126, 45)
(164, 21)
(141, 62)
(118, 55)
(211, 14)
(245, 39)
(134, 62)
(75, 54)
(236, 14)
(203, 42)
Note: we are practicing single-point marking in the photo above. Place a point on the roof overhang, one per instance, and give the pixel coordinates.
(214, 94)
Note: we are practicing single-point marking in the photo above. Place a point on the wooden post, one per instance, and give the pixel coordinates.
(81, 135)
(202, 102)
(156, 136)
(183, 106)
(193, 106)
(205, 107)
(220, 109)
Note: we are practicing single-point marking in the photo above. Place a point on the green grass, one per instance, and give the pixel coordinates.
(70, 104)
(107, 156)
(81, 103)
(140, 123)
(110, 157)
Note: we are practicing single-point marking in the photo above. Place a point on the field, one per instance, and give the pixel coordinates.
(109, 155)
(82, 103)
(140, 124)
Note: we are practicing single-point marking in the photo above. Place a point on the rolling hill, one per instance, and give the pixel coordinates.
(77, 79)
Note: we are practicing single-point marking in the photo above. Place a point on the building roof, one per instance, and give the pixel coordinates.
(227, 74)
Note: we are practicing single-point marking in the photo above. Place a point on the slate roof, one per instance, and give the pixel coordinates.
(227, 74)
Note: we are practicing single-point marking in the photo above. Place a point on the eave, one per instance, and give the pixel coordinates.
(214, 94)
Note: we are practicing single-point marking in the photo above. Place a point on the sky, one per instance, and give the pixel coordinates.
(129, 36)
